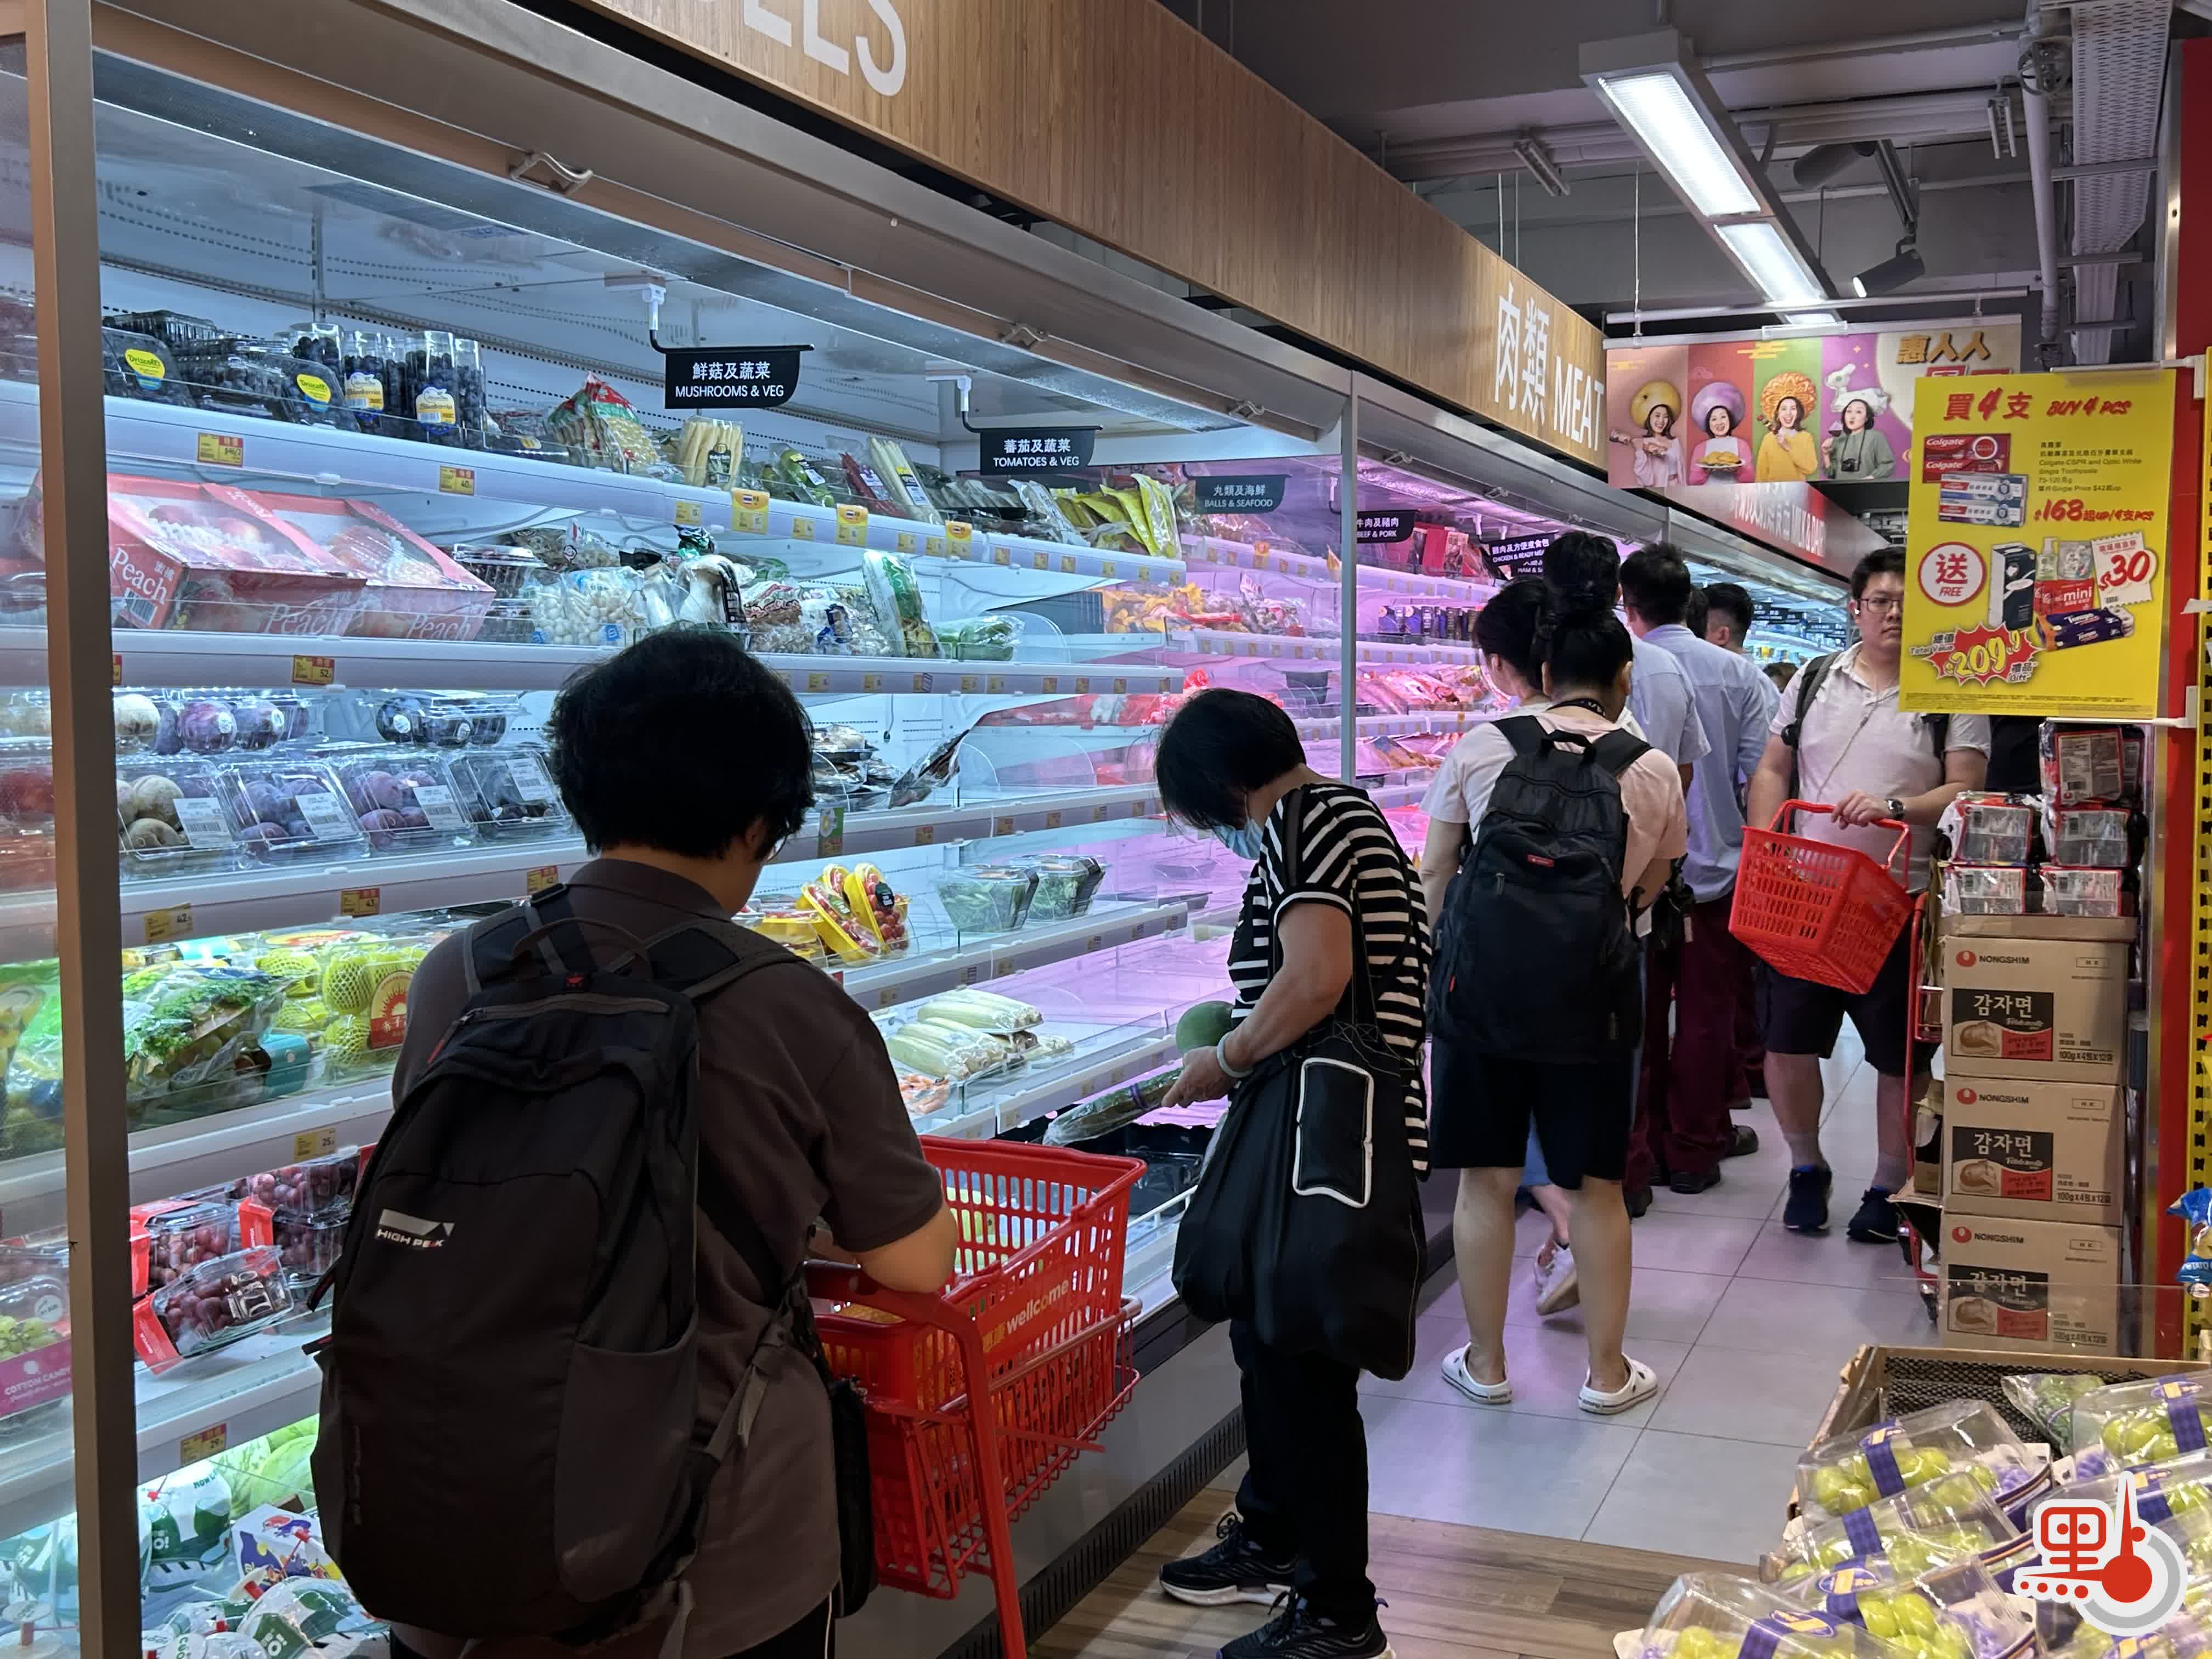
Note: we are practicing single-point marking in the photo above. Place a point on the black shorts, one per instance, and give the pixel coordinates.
(1480, 1107)
(1799, 1016)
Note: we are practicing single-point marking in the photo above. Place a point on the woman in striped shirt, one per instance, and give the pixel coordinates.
(1230, 763)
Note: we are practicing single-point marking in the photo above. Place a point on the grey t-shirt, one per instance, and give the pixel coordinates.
(800, 1114)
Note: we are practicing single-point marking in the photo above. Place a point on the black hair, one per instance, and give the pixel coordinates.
(1882, 561)
(1846, 409)
(1506, 627)
(1578, 561)
(1221, 746)
(1707, 423)
(1654, 410)
(1582, 641)
(1789, 398)
(1695, 614)
(683, 742)
(1732, 601)
(1656, 584)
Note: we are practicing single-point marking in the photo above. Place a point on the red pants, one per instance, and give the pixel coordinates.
(1682, 1122)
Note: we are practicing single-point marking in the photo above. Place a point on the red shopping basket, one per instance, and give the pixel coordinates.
(1817, 911)
(978, 1397)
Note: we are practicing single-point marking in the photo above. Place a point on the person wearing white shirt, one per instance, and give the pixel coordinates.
(1684, 1128)
(1856, 751)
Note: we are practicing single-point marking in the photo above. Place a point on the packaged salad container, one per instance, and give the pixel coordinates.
(1948, 1519)
(1714, 1615)
(1965, 1436)
(1953, 1611)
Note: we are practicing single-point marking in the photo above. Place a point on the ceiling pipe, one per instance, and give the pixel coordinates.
(1876, 46)
(1936, 298)
(2036, 107)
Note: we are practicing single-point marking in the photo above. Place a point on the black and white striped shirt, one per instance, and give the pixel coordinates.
(1350, 852)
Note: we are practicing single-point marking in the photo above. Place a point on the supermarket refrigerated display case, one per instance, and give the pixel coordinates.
(385, 462)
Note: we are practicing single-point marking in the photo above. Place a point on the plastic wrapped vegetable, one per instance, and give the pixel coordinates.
(1066, 885)
(952, 1052)
(1954, 1611)
(979, 639)
(985, 1011)
(601, 430)
(271, 1470)
(900, 480)
(797, 479)
(987, 899)
(1850, 1470)
(897, 603)
(184, 1024)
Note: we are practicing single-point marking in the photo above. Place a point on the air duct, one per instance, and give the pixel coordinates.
(2119, 73)
(2035, 107)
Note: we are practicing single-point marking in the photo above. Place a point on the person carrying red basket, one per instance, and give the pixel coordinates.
(1840, 737)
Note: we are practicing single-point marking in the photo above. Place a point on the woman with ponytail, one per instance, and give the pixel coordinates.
(1569, 658)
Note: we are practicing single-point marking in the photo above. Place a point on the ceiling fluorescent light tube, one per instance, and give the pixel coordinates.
(1655, 106)
(1775, 269)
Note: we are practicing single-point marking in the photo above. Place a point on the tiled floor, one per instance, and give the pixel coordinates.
(1747, 1326)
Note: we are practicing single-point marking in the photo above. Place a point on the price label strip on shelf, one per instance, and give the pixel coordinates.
(315, 671)
(690, 513)
(315, 1143)
(199, 1447)
(175, 922)
(537, 879)
(749, 512)
(456, 481)
(361, 900)
(220, 449)
(959, 539)
(852, 526)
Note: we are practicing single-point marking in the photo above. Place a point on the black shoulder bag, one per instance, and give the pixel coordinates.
(1307, 1219)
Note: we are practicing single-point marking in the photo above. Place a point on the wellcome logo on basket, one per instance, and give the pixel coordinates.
(2123, 1577)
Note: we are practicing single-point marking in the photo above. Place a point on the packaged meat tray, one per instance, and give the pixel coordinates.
(27, 819)
(288, 808)
(404, 801)
(507, 792)
(209, 558)
(172, 818)
(216, 1304)
(412, 591)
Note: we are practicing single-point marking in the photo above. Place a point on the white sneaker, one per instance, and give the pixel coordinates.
(1557, 1287)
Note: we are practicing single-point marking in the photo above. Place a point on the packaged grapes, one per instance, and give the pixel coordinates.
(215, 1304)
(308, 1241)
(1953, 1611)
(313, 1184)
(178, 1237)
(2047, 1398)
(1850, 1471)
(2174, 1496)
(1715, 1615)
(1948, 1519)
(2151, 1421)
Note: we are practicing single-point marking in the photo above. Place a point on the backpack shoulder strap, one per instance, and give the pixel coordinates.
(1939, 733)
(489, 947)
(1525, 732)
(1616, 752)
(1810, 678)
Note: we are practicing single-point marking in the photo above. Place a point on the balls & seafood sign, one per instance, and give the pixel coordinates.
(2035, 573)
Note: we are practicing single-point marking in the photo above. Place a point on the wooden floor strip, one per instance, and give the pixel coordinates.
(1454, 1593)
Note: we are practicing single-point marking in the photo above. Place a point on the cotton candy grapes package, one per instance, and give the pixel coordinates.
(1712, 1615)
(1953, 1611)
(1964, 1437)
(2125, 1424)
(1948, 1519)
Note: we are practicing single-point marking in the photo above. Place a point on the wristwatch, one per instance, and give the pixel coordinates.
(1896, 809)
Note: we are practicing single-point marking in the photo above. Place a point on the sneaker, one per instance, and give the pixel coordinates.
(1235, 1570)
(1743, 1141)
(1298, 1632)
(1875, 1222)
(1557, 1286)
(1689, 1181)
(1806, 1210)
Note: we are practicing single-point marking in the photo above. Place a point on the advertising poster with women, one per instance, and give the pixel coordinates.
(1832, 407)
(2036, 546)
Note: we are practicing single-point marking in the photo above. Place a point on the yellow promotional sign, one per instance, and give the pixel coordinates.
(2037, 551)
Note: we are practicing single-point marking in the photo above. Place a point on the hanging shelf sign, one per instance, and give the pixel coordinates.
(1385, 527)
(731, 377)
(1035, 449)
(1222, 493)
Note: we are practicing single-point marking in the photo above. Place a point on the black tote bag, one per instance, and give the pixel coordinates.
(1307, 1217)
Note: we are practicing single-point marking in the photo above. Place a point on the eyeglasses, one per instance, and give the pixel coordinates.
(1882, 604)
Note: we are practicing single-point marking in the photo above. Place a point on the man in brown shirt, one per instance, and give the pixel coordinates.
(800, 1112)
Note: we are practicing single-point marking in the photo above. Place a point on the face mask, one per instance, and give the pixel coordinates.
(1243, 840)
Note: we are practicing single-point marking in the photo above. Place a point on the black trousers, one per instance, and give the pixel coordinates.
(1305, 1487)
(814, 1637)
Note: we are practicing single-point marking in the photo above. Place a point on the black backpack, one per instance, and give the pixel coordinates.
(511, 1362)
(1536, 956)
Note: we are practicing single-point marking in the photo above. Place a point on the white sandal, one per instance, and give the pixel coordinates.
(1483, 1393)
(1643, 1383)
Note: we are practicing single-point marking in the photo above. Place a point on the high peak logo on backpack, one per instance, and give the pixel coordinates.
(395, 1227)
